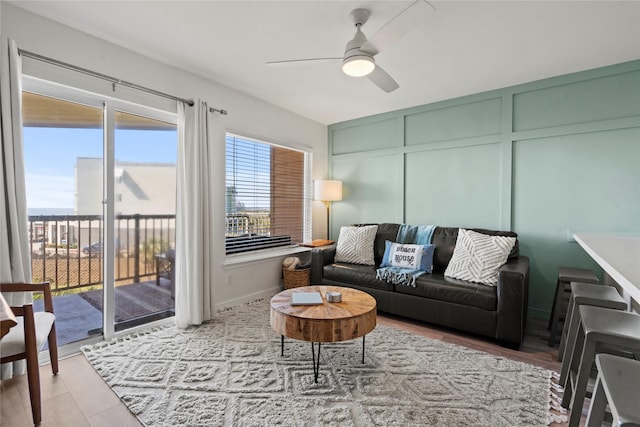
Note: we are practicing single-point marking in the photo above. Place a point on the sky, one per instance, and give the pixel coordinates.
(50, 156)
(248, 170)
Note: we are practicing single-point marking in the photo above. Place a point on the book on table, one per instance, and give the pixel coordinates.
(306, 298)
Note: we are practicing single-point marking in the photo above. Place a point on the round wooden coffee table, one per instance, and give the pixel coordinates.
(353, 317)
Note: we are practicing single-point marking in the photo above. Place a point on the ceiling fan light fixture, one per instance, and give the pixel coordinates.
(358, 65)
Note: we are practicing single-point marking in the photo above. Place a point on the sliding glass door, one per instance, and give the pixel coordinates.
(101, 200)
(144, 218)
(63, 151)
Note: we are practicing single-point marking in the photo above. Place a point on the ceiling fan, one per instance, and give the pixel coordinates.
(358, 59)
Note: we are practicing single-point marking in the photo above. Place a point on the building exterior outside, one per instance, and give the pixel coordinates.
(140, 188)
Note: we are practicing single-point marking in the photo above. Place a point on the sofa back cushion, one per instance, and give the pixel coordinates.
(443, 237)
(385, 232)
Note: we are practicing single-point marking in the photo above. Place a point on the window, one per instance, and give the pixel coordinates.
(267, 197)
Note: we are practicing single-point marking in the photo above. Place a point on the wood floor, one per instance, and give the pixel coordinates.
(77, 396)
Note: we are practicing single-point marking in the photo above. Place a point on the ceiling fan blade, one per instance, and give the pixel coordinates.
(405, 22)
(301, 61)
(384, 81)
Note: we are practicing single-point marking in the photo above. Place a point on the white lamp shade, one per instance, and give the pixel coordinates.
(327, 191)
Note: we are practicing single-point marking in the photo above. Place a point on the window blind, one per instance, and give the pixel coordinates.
(266, 195)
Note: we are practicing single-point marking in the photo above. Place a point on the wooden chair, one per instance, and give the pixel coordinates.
(26, 339)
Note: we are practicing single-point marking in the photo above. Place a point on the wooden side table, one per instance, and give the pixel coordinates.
(317, 243)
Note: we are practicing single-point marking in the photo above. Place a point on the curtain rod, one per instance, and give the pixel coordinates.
(113, 80)
(215, 110)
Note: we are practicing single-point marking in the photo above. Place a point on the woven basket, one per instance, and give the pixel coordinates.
(296, 278)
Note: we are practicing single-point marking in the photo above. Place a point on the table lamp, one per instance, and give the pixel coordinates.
(327, 191)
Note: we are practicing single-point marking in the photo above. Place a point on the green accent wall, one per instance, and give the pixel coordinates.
(545, 159)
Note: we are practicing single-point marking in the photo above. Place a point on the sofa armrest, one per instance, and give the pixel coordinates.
(319, 258)
(513, 294)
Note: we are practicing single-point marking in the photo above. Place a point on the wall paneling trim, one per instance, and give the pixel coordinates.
(545, 159)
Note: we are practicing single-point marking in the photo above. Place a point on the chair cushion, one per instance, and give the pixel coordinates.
(13, 343)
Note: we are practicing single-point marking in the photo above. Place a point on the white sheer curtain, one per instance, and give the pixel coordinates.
(15, 261)
(194, 217)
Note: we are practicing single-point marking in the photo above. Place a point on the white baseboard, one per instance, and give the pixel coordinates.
(267, 293)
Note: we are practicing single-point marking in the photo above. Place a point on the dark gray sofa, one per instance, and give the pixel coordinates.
(497, 312)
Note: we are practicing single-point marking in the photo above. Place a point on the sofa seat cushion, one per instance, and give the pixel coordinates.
(363, 275)
(436, 286)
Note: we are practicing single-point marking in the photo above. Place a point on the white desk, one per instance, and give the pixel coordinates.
(619, 257)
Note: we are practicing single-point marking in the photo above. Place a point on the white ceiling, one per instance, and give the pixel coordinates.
(466, 47)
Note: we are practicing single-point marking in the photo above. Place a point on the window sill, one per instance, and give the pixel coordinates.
(237, 260)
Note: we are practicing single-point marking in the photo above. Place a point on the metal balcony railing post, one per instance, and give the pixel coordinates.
(44, 253)
(136, 242)
(56, 239)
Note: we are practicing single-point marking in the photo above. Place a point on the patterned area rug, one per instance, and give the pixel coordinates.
(229, 372)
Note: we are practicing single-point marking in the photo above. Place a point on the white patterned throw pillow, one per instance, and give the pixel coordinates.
(355, 244)
(477, 257)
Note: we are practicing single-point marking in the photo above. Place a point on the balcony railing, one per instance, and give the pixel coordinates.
(249, 231)
(242, 224)
(67, 249)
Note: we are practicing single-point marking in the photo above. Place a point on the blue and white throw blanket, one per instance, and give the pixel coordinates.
(416, 234)
(392, 271)
(399, 275)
